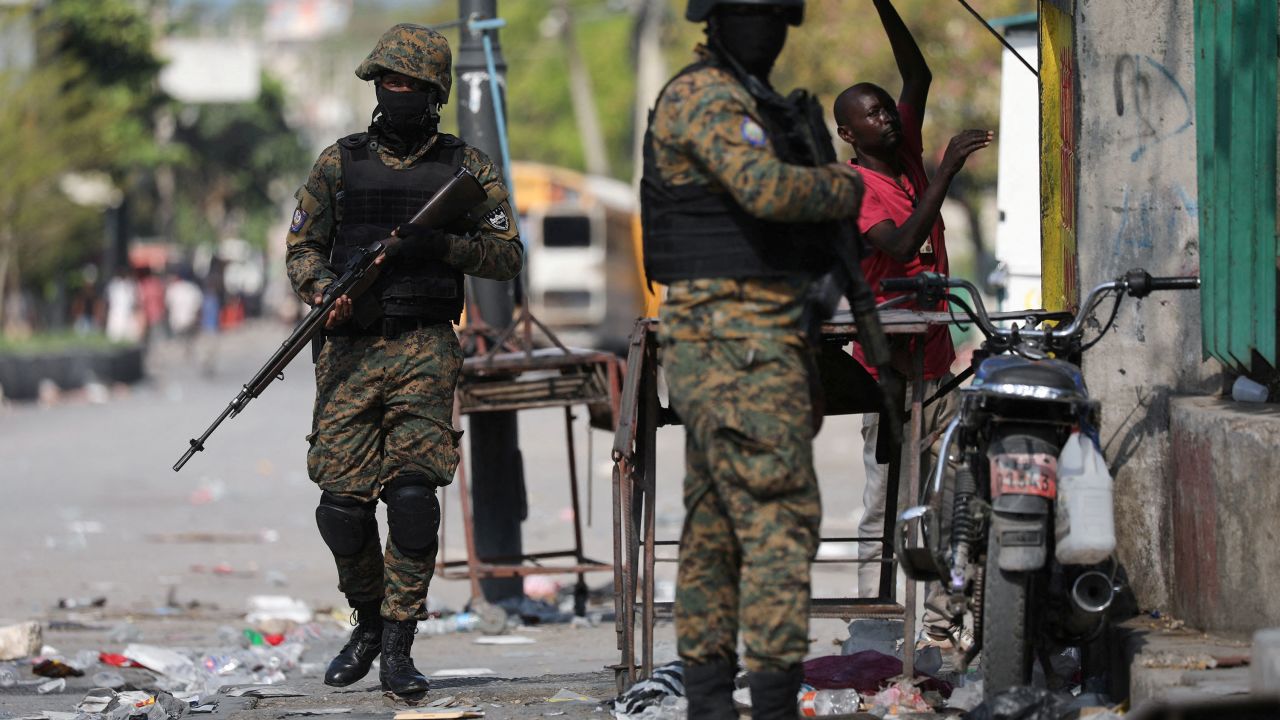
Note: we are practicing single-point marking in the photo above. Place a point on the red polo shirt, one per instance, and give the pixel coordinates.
(884, 200)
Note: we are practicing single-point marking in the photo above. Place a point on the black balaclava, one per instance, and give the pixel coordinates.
(406, 119)
(755, 41)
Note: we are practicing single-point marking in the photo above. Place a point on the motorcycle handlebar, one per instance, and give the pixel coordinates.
(1137, 283)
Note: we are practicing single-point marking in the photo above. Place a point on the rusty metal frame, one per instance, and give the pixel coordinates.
(525, 378)
(634, 484)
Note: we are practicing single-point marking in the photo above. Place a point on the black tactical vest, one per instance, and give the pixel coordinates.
(691, 232)
(375, 199)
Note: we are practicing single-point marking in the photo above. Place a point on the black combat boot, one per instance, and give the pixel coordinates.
(710, 690)
(397, 672)
(773, 694)
(354, 659)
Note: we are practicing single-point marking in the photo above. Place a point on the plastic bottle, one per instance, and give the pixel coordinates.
(8, 674)
(1085, 522)
(458, 622)
(821, 703)
(52, 686)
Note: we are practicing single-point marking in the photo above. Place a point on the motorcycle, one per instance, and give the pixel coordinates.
(1020, 534)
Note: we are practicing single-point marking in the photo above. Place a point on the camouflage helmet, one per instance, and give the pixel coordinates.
(413, 50)
(700, 10)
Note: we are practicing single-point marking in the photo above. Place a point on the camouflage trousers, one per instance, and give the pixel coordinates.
(752, 509)
(384, 407)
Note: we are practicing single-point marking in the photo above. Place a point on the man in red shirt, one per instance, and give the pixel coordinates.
(900, 219)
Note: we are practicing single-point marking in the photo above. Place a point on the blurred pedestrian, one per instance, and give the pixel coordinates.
(125, 322)
(151, 295)
(183, 300)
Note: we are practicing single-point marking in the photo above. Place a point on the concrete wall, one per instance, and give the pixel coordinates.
(1225, 501)
(1136, 207)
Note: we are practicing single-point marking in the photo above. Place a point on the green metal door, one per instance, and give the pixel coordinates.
(1236, 110)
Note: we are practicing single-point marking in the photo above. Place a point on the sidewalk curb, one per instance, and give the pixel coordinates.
(1161, 661)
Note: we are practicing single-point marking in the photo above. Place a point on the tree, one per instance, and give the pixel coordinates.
(233, 158)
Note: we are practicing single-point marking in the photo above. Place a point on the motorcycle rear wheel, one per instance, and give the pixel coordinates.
(1007, 652)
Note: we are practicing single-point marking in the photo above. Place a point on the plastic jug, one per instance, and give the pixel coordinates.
(1085, 526)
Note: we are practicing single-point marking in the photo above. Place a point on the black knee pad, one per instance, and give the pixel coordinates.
(345, 524)
(413, 514)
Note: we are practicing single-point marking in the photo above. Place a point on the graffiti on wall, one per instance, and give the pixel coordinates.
(1151, 102)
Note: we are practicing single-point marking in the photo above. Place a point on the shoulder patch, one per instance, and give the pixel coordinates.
(753, 133)
(498, 220)
(299, 219)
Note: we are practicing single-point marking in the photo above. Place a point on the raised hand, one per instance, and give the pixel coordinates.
(961, 147)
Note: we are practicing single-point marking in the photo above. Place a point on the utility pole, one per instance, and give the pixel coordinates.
(498, 501)
(651, 73)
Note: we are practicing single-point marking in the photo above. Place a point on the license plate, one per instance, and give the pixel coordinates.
(1024, 474)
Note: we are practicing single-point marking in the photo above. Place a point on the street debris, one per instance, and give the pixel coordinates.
(867, 672)
(264, 691)
(54, 668)
(1021, 703)
(659, 696)
(277, 613)
(69, 603)
(21, 640)
(901, 697)
(567, 695)
(1177, 661)
(504, 640)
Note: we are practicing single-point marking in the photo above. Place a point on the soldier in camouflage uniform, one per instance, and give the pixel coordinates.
(385, 378)
(721, 203)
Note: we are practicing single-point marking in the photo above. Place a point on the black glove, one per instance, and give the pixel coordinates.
(422, 242)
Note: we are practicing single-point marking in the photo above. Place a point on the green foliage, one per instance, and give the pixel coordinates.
(234, 153)
(53, 342)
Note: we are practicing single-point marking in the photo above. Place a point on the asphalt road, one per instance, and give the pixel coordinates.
(90, 508)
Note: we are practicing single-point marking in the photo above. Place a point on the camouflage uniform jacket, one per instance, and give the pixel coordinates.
(493, 251)
(707, 130)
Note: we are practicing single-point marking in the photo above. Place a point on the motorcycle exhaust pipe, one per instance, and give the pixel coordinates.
(1093, 592)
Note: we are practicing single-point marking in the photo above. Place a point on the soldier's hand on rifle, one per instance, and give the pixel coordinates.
(340, 313)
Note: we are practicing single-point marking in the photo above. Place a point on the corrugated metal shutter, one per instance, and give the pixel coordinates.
(1236, 110)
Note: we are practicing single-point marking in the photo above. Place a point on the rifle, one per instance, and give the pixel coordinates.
(458, 196)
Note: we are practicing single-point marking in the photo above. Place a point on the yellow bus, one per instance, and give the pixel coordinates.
(583, 275)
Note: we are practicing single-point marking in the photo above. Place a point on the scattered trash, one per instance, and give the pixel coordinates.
(458, 622)
(108, 679)
(53, 668)
(264, 691)
(821, 703)
(81, 603)
(541, 587)
(566, 695)
(161, 660)
(867, 672)
(966, 697)
(21, 640)
(902, 696)
(659, 693)
(504, 640)
(96, 700)
(277, 613)
(117, 660)
(462, 672)
(8, 674)
(56, 685)
(310, 712)
(1246, 390)
(209, 491)
(1021, 703)
(1177, 661)
(443, 714)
